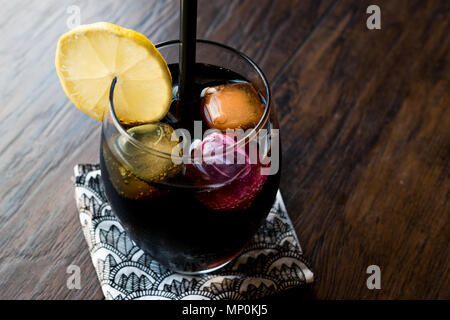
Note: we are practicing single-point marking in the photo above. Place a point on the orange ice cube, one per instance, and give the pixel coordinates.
(231, 106)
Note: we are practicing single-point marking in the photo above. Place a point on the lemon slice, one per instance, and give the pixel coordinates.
(90, 56)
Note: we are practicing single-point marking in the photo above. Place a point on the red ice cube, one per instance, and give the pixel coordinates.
(231, 185)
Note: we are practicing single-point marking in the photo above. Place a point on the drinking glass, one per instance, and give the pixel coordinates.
(185, 222)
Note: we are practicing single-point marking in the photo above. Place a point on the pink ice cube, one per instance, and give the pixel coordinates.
(233, 184)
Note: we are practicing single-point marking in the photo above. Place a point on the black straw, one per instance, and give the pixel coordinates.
(188, 34)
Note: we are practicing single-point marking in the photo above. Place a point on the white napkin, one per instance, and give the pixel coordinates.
(272, 261)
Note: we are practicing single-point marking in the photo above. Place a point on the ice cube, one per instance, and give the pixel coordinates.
(219, 159)
(231, 106)
(127, 184)
(239, 194)
(232, 183)
(155, 163)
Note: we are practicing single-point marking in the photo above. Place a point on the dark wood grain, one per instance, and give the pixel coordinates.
(365, 126)
(365, 120)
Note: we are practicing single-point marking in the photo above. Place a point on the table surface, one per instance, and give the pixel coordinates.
(364, 118)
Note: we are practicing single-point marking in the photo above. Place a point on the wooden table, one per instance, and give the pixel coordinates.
(365, 126)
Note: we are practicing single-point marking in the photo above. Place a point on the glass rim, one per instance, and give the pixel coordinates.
(252, 133)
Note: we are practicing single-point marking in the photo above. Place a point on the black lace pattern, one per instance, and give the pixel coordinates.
(272, 261)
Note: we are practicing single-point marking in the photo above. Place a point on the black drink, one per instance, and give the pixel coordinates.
(187, 228)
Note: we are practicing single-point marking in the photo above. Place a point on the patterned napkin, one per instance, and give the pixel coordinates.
(272, 261)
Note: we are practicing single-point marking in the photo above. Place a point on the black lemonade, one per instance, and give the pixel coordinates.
(182, 218)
